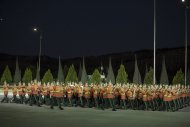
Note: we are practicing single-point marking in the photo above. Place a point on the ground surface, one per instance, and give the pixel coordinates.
(20, 115)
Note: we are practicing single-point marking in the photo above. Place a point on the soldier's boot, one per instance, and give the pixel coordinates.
(52, 103)
(153, 105)
(61, 108)
(131, 104)
(149, 105)
(2, 100)
(88, 102)
(146, 105)
(137, 104)
(188, 100)
(96, 102)
(183, 101)
(102, 104)
(112, 104)
(175, 106)
(124, 103)
(165, 106)
(170, 105)
(81, 102)
(161, 105)
(30, 101)
(179, 103)
(105, 103)
(157, 104)
(70, 102)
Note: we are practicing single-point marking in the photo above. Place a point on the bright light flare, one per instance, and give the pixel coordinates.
(35, 29)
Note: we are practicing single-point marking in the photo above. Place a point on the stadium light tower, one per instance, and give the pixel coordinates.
(35, 29)
(154, 76)
(186, 4)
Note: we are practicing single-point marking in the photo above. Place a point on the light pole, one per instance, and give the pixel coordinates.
(186, 4)
(154, 76)
(37, 30)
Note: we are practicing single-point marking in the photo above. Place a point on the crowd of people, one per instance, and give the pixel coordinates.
(100, 96)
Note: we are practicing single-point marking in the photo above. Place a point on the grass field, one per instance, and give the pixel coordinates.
(18, 115)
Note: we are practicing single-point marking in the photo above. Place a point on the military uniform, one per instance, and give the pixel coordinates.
(87, 93)
(95, 92)
(110, 96)
(122, 97)
(58, 94)
(5, 90)
(29, 92)
(14, 91)
(69, 94)
(35, 92)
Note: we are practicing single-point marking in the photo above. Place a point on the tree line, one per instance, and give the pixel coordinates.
(72, 76)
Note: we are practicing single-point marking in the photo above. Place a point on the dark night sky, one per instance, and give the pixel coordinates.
(82, 28)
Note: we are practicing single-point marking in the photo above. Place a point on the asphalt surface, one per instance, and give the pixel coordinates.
(21, 115)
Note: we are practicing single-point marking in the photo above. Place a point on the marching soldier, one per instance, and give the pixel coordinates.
(36, 93)
(24, 93)
(20, 93)
(80, 93)
(58, 94)
(130, 96)
(69, 94)
(140, 96)
(5, 90)
(167, 98)
(29, 92)
(95, 92)
(122, 97)
(14, 90)
(45, 93)
(161, 96)
(52, 95)
(40, 99)
(145, 97)
(86, 92)
(110, 96)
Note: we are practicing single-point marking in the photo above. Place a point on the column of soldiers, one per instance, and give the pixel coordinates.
(100, 96)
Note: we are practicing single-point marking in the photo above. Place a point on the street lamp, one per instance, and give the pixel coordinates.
(154, 76)
(35, 29)
(186, 4)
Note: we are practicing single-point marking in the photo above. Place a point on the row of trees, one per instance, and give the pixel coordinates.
(122, 76)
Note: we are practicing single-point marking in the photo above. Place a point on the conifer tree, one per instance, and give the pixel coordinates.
(84, 77)
(178, 78)
(17, 76)
(149, 77)
(6, 76)
(72, 75)
(110, 76)
(137, 75)
(96, 77)
(122, 76)
(164, 75)
(48, 77)
(60, 76)
(27, 76)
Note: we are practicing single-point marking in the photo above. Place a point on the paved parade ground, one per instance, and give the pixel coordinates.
(21, 115)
